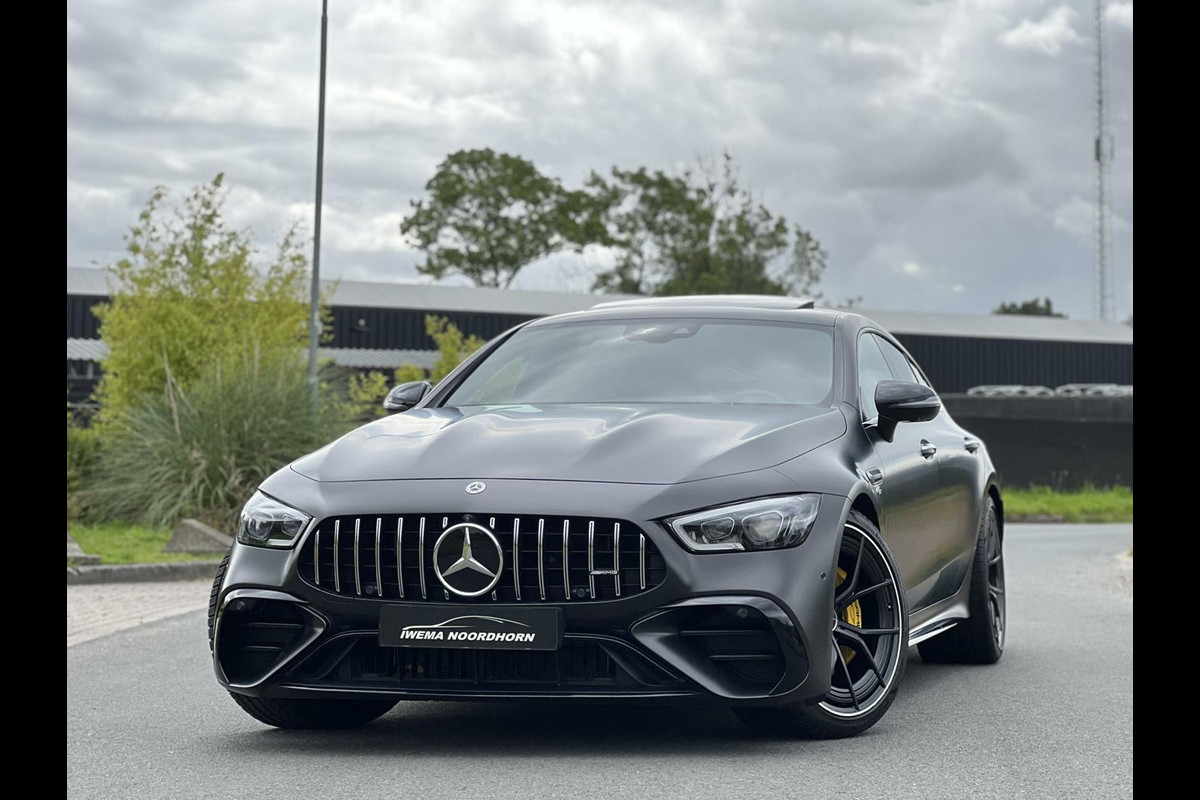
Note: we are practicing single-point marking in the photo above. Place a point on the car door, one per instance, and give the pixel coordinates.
(954, 505)
(910, 481)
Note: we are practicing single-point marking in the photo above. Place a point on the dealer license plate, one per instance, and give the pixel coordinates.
(470, 627)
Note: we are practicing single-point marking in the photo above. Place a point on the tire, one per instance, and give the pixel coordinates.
(212, 597)
(313, 714)
(978, 639)
(881, 607)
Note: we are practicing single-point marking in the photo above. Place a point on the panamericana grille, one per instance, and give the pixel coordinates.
(546, 558)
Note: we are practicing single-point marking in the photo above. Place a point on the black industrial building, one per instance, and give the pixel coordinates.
(382, 325)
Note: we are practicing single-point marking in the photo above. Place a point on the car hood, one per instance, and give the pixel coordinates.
(658, 444)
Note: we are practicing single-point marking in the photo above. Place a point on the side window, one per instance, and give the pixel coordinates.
(902, 366)
(921, 379)
(872, 368)
(901, 369)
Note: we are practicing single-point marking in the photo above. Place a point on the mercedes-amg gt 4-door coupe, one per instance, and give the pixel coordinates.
(737, 500)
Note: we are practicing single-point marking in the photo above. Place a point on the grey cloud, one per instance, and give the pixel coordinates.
(927, 154)
(895, 131)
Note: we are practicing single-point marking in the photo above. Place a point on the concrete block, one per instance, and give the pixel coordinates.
(193, 536)
(75, 552)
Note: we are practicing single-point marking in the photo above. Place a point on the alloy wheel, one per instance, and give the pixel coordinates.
(867, 626)
(995, 583)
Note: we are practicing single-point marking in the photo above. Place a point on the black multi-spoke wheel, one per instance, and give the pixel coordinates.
(979, 639)
(995, 582)
(868, 632)
(867, 626)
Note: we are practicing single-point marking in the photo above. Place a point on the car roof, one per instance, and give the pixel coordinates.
(641, 311)
(714, 301)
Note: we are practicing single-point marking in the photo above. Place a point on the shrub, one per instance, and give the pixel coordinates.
(364, 396)
(202, 450)
(453, 347)
(83, 448)
(193, 293)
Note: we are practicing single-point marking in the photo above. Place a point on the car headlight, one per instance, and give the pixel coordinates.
(757, 525)
(266, 522)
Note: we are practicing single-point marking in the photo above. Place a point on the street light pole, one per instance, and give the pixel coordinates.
(314, 321)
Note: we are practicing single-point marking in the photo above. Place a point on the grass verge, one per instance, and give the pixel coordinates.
(1090, 504)
(119, 543)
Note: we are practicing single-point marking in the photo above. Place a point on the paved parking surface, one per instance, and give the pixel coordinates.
(97, 610)
(1053, 719)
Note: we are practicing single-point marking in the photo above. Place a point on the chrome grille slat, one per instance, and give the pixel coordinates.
(378, 557)
(541, 561)
(421, 556)
(642, 561)
(383, 568)
(357, 575)
(337, 576)
(617, 558)
(400, 555)
(591, 558)
(566, 565)
(516, 556)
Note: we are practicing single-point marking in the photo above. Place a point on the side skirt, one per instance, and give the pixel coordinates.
(930, 630)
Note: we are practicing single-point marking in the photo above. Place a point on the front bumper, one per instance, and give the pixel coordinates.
(736, 628)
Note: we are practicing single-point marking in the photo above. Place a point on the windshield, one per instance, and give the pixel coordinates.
(656, 361)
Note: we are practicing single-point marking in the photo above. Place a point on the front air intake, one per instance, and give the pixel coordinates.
(255, 635)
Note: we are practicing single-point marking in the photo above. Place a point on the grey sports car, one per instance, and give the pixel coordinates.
(738, 500)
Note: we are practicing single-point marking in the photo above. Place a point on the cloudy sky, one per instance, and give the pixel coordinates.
(940, 150)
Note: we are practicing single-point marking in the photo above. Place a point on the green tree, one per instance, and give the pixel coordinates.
(700, 232)
(487, 215)
(193, 295)
(1037, 307)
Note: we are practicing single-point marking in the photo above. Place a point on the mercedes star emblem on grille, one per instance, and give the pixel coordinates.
(475, 487)
(468, 560)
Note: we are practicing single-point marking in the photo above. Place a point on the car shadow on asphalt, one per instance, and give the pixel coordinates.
(544, 727)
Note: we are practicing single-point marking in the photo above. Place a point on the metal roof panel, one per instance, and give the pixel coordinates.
(426, 297)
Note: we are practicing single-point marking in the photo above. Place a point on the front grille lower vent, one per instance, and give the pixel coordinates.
(580, 665)
(572, 664)
(742, 643)
(546, 559)
(254, 634)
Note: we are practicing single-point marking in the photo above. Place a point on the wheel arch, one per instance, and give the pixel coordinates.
(993, 491)
(864, 503)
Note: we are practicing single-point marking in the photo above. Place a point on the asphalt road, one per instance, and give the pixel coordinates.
(1053, 719)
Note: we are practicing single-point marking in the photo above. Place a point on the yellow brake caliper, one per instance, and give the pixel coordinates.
(851, 616)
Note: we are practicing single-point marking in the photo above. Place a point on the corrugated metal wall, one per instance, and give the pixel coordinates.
(955, 364)
(81, 322)
(404, 328)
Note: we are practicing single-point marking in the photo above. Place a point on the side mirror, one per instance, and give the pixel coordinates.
(903, 401)
(406, 395)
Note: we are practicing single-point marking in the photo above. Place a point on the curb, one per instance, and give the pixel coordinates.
(1046, 519)
(135, 573)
